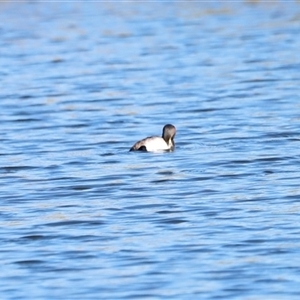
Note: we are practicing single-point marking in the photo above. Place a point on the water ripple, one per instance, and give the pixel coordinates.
(217, 218)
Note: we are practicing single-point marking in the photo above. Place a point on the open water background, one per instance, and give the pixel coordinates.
(83, 218)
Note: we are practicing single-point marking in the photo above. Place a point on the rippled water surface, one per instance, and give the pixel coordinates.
(83, 218)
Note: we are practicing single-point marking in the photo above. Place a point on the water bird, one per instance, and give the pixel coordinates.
(156, 143)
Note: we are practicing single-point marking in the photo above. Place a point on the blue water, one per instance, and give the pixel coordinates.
(83, 218)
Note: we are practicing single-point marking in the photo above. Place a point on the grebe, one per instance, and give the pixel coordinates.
(156, 143)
